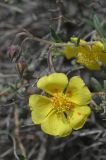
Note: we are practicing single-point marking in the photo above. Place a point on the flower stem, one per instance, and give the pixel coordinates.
(54, 43)
(50, 61)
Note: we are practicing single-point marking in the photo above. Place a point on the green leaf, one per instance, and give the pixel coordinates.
(54, 35)
(98, 26)
(104, 85)
(96, 84)
(22, 157)
(99, 29)
(95, 23)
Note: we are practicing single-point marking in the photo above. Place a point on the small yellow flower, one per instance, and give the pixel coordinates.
(66, 107)
(91, 56)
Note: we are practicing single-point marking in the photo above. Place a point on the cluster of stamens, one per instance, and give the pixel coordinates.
(61, 102)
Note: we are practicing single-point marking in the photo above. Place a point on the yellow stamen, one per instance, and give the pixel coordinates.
(61, 102)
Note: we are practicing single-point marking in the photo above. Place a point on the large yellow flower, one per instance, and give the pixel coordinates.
(91, 56)
(66, 107)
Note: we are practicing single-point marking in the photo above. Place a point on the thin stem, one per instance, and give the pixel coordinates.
(54, 43)
(17, 132)
(50, 61)
(4, 92)
(39, 39)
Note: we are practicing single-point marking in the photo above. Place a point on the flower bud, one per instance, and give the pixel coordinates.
(13, 52)
(21, 66)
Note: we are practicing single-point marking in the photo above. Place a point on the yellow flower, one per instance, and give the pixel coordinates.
(91, 56)
(66, 107)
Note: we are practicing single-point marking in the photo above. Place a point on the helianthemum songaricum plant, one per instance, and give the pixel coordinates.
(65, 106)
(90, 55)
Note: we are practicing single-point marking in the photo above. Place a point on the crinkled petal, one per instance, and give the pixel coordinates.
(98, 50)
(56, 124)
(87, 57)
(80, 114)
(40, 106)
(55, 82)
(84, 50)
(70, 52)
(93, 65)
(97, 47)
(79, 93)
(90, 64)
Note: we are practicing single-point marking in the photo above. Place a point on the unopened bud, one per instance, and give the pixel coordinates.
(21, 66)
(13, 52)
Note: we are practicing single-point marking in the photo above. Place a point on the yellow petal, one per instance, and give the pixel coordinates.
(84, 50)
(55, 82)
(79, 117)
(93, 65)
(87, 58)
(70, 52)
(97, 47)
(79, 93)
(56, 124)
(90, 64)
(40, 106)
(102, 57)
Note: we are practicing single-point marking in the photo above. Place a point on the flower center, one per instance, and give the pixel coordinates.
(61, 102)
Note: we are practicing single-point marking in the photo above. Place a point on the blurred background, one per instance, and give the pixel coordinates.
(20, 139)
